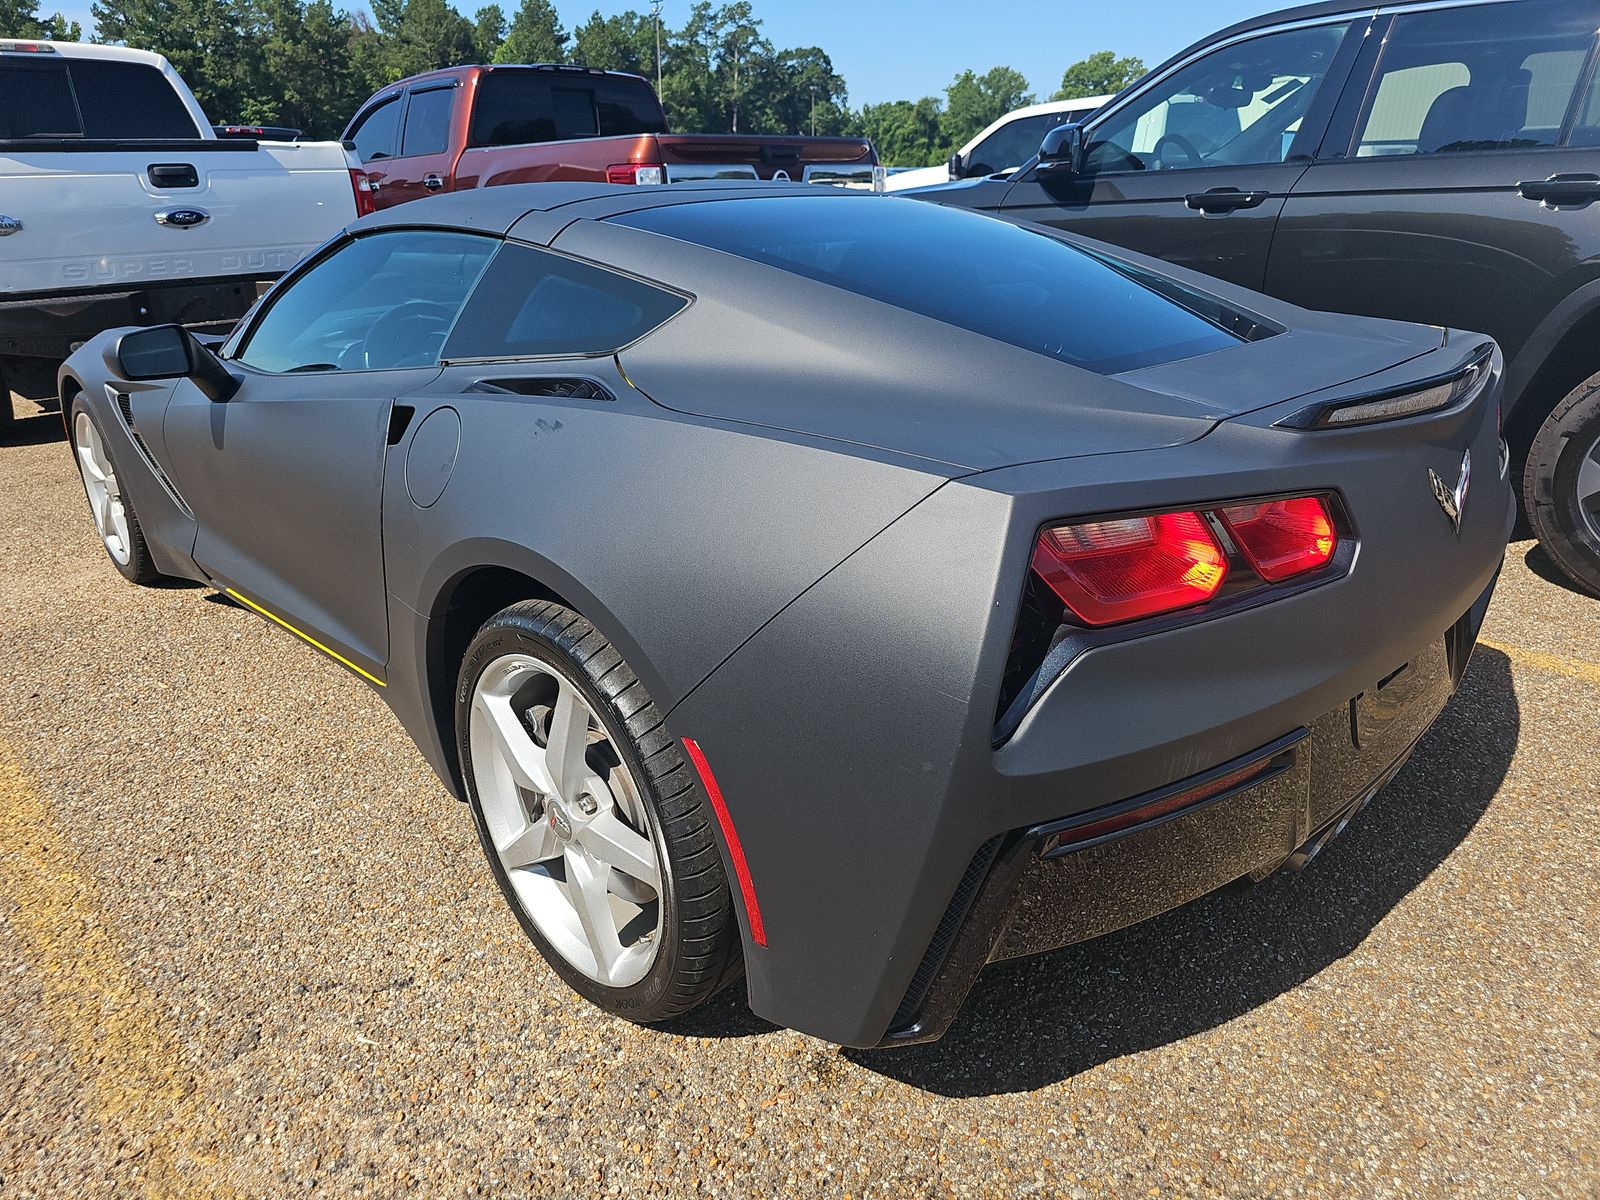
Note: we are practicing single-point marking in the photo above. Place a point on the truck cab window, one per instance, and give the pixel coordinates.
(428, 122)
(36, 101)
(378, 132)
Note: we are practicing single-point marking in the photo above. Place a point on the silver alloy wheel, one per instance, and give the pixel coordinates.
(105, 496)
(566, 819)
(1589, 488)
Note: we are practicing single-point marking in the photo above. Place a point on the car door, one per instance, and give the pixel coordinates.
(376, 135)
(286, 478)
(1462, 180)
(1194, 167)
(422, 163)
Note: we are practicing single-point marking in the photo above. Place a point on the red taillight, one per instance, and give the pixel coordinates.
(362, 186)
(1283, 538)
(1111, 571)
(640, 173)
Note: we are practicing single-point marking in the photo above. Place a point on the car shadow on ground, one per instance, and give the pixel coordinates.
(1542, 565)
(1035, 1022)
(34, 430)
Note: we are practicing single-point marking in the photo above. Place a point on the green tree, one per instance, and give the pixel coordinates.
(488, 31)
(21, 19)
(625, 42)
(974, 101)
(906, 133)
(1101, 74)
(307, 77)
(211, 43)
(535, 35)
(688, 84)
(799, 89)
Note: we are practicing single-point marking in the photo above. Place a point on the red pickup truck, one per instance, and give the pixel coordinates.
(466, 127)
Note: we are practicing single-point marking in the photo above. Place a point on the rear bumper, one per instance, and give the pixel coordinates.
(49, 327)
(1066, 881)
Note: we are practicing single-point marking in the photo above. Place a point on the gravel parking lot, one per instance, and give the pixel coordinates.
(249, 947)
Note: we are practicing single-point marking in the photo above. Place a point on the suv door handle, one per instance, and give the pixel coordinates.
(1223, 200)
(432, 182)
(1562, 189)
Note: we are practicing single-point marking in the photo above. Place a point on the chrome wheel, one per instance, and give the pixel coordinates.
(1589, 488)
(566, 819)
(105, 495)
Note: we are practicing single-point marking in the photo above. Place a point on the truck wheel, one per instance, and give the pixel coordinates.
(1561, 487)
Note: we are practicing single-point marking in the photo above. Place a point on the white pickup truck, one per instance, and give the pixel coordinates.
(120, 206)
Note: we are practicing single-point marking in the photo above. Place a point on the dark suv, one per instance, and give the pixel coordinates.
(1427, 161)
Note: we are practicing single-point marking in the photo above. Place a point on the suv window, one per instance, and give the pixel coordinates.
(532, 303)
(90, 98)
(1013, 144)
(381, 301)
(1238, 105)
(517, 107)
(1009, 282)
(428, 122)
(376, 133)
(1484, 77)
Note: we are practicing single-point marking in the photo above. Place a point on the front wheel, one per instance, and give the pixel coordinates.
(1561, 488)
(114, 518)
(590, 817)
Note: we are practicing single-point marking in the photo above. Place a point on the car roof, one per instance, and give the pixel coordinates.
(1303, 12)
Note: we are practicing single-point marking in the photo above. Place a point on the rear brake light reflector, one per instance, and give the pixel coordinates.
(1106, 572)
(640, 173)
(1283, 538)
(366, 203)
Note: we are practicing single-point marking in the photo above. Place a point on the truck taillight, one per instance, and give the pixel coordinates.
(640, 173)
(366, 203)
(1107, 572)
(1283, 538)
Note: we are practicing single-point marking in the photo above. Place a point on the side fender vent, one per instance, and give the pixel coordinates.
(561, 388)
(125, 407)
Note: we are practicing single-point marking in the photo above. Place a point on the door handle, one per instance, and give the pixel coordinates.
(1562, 189)
(432, 182)
(1223, 200)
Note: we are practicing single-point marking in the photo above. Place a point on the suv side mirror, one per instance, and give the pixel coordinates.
(1063, 151)
(171, 352)
(957, 166)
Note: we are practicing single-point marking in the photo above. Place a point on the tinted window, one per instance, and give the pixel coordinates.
(128, 100)
(532, 303)
(428, 122)
(1238, 105)
(1013, 284)
(377, 132)
(36, 101)
(517, 107)
(385, 300)
(1489, 77)
(1013, 143)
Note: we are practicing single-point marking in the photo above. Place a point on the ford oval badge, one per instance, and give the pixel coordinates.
(9, 225)
(182, 218)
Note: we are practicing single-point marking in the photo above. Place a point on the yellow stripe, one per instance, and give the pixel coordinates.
(136, 1085)
(300, 633)
(1574, 668)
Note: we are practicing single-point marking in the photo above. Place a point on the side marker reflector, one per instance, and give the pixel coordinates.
(747, 887)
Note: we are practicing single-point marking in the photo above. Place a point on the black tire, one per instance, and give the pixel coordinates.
(699, 950)
(1550, 485)
(140, 567)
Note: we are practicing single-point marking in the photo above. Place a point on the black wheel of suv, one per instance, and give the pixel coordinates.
(114, 518)
(592, 821)
(1561, 487)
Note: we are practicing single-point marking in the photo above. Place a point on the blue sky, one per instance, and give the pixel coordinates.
(889, 49)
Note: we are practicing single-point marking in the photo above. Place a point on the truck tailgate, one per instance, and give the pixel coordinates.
(768, 155)
(252, 210)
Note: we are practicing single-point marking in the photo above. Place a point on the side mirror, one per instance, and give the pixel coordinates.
(1063, 151)
(957, 166)
(171, 352)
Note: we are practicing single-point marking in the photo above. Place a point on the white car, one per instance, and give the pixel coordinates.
(1003, 146)
(120, 206)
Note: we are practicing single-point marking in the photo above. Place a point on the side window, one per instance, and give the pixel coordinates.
(382, 301)
(36, 101)
(1238, 105)
(573, 109)
(428, 122)
(512, 108)
(1482, 77)
(1013, 144)
(532, 304)
(625, 105)
(128, 100)
(376, 134)
(1586, 130)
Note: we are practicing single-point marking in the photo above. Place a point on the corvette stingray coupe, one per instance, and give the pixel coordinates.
(835, 590)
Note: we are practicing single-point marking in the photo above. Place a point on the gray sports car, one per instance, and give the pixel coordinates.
(837, 589)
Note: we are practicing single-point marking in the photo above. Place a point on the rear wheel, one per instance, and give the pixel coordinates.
(114, 518)
(1561, 487)
(591, 820)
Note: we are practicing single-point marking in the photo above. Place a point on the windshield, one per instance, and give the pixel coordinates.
(1010, 282)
